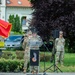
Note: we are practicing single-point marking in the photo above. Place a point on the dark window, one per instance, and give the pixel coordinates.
(0, 2)
(24, 21)
(8, 1)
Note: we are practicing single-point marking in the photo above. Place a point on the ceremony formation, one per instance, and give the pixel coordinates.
(37, 37)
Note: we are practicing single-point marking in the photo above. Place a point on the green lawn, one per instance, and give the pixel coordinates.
(69, 64)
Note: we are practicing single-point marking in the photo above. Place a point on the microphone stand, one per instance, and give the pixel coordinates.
(44, 57)
(54, 65)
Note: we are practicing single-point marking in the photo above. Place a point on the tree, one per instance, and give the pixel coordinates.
(16, 25)
(12, 21)
(55, 14)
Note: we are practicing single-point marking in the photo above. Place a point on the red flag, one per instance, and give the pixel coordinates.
(5, 28)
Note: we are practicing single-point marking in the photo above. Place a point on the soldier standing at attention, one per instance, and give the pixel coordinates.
(59, 46)
(26, 50)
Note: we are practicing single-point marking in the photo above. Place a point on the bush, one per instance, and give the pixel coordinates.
(16, 65)
(7, 55)
(45, 57)
(13, 54)
(11, 65)
(20, 54)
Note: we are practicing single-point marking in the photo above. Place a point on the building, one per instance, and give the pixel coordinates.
(2, 9)
(14, 7)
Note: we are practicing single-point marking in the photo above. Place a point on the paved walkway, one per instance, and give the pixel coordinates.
(37, 74)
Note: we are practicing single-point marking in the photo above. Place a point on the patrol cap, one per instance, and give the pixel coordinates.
(29, 32)
(61, 32)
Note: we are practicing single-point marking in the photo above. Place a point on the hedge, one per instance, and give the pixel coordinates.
(13, 55)
(20, 55)
(11, 65)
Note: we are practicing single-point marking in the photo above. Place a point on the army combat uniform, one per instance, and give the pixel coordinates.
(34, 44)
(59, 45)
(26, 51)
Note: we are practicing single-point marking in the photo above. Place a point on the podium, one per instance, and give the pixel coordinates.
(34, 59)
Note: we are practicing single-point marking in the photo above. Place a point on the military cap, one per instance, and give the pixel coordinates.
(29, 32)
(61, 32)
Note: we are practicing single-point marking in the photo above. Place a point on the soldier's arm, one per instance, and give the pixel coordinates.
(64, 42)
(24, 43)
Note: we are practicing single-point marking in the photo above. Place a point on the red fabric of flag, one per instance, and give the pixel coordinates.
(5, 28)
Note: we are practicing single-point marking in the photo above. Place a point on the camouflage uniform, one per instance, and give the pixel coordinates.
(36, 47)
(27, 50)
(59, 45)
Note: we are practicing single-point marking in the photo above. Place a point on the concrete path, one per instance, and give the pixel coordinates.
(37, 74)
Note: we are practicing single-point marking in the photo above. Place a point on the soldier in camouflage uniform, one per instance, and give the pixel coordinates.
(27, 50)
(59, 45)
(35, 39)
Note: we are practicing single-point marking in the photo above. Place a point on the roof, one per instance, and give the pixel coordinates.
(18, 3)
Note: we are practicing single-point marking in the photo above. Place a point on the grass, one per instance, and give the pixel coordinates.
(69, 64)
(69, 59)
(62, 68)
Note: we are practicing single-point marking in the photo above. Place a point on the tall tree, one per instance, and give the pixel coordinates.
(12, 21)
(49, 15)
(18, 26)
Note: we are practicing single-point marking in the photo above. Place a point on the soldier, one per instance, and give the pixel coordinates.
(59, 46)
(27, 50)
(35, 42)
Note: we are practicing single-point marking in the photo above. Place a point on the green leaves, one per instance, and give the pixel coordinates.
(55, 14)
(16, 25)
(11, 65)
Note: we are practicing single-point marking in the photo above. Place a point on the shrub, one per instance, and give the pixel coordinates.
(19, 54)
(7, 55)
(45, 57)
(11, 65)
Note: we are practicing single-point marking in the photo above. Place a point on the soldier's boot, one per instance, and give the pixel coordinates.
(24, 70)
(36, 71)
(32, 72)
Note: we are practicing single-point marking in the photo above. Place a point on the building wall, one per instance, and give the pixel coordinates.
(21, 11)
(2, 9)
(3, 13)
(3, 3)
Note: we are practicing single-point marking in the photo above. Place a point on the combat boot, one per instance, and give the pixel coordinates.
(24, 70)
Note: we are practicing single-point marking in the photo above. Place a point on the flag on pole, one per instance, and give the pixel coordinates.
(5, 28)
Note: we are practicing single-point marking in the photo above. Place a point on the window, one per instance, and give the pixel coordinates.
(24, 20)
(8, 1)
(0, 2)
(19, 2)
